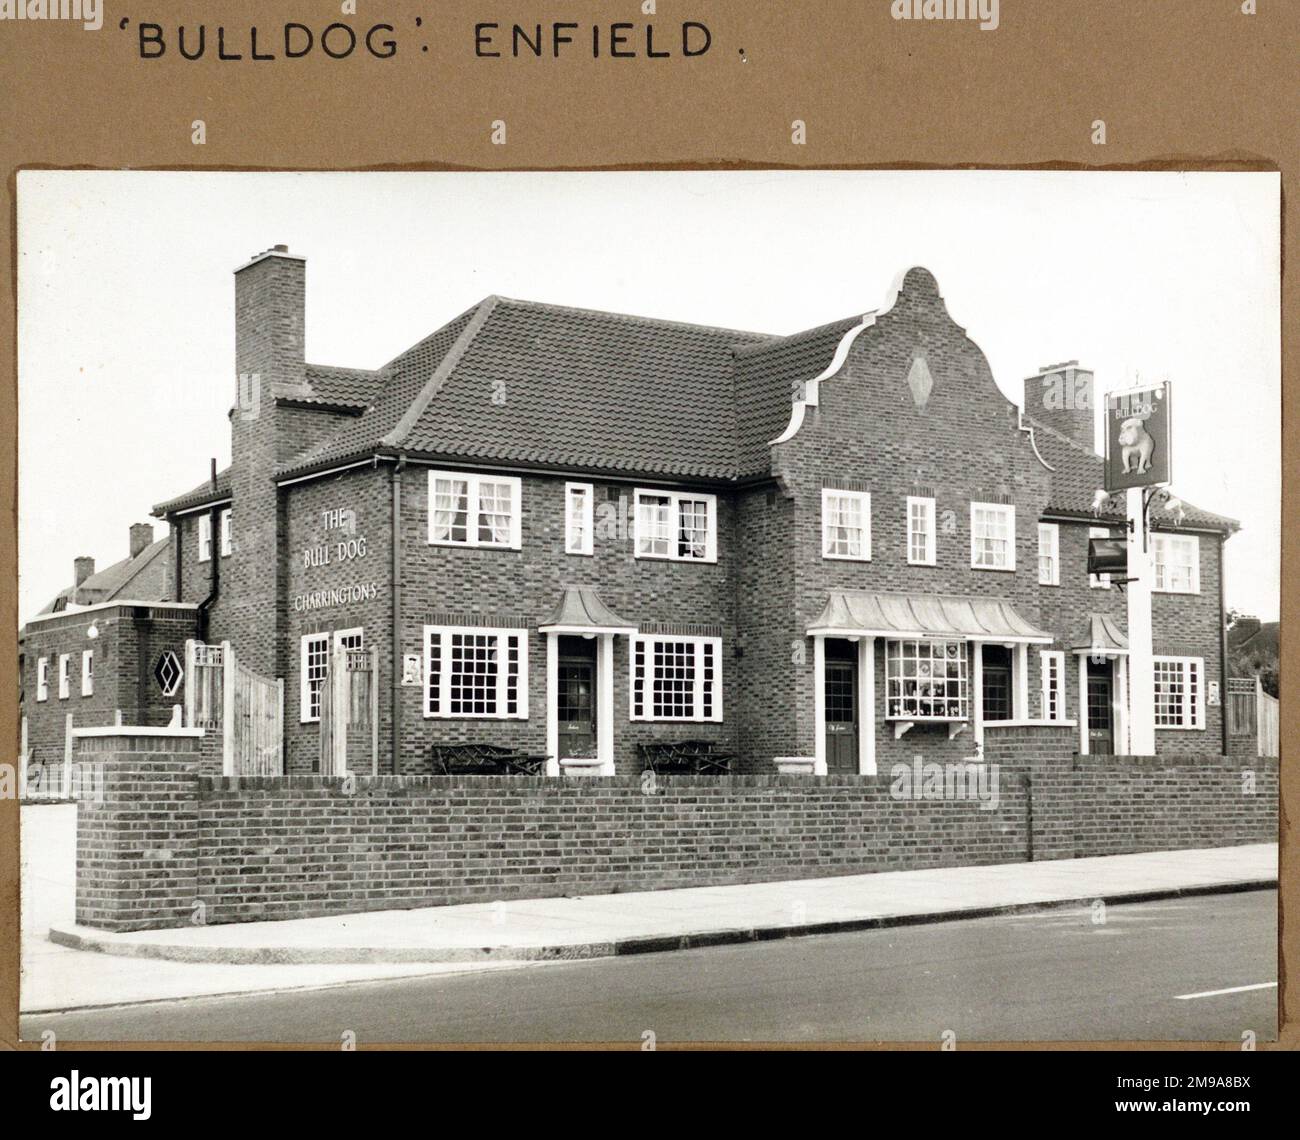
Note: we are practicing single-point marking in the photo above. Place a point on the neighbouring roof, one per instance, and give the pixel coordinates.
(129, 579)
(860, 613)
(1250, 635)
(581, 610)
(205, 492)
(1078, 472)
(341, 387)
(1101, 634)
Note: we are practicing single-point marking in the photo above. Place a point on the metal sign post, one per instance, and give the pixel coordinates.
(1138, 458)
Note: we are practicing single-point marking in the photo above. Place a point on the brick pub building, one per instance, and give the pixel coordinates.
(573, 533)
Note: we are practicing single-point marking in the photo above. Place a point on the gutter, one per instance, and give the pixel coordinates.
(214, 527)
(396, 588)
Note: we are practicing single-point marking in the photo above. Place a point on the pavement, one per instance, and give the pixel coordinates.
(151, 965)
(56, 978)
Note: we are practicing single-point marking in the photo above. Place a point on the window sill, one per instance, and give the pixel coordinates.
(911, 563)
(1180, 728)
(1031, 724)
(846, 557)
(995, 569)
(473, 545)
(670, 558)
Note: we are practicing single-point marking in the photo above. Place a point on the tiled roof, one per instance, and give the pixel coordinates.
(1077, 473)
(766, 374)
(522, 382)
(341, 387)
(118, 581)
(205, 492)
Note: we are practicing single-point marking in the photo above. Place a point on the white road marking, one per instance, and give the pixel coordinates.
(1233, 990)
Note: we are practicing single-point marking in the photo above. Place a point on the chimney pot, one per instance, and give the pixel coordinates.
(82, 568)
(141, 538)
(281, 249)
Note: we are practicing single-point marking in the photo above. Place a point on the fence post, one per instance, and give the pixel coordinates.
(374, 711)
(227, 710)
(189, 682)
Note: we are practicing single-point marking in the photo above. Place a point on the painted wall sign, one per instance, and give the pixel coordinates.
(1138, 438)
(342, 546)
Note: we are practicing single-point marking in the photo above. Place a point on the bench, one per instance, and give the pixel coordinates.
(485, 760)
(685, 757)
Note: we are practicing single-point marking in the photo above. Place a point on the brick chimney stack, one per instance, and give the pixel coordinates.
(270, 303)
(82, 568)
(141, 538)
(1063, 397)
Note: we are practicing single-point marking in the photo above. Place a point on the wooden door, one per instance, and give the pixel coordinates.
(841, 716)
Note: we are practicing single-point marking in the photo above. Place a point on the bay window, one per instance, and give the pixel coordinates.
(927, 680)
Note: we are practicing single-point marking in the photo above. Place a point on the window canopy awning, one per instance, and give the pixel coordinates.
(1101, 636)
(857, 613)
(580, 610)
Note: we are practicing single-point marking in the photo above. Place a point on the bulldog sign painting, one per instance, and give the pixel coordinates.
(1137, 438)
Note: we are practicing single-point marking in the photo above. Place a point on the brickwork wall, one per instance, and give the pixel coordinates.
(162, 836)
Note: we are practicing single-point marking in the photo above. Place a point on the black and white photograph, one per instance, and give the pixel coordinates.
(743, 607)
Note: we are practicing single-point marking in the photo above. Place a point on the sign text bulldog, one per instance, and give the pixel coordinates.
(1137, 438)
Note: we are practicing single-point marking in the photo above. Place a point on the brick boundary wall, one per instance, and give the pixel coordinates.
(163, 837)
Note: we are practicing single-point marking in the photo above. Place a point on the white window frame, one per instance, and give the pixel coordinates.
(579, 501)
(205, 537)
(227, 544)
(1008, 513)
(334, 640)
(87, 672)
(473, 485)
(42, 678)
(675, 501)
(909, 665)
(863, 500)
(444, 634)
(305, 714)
(927, 505)
(1161, 546)
(644, 646)
(1051, 664)
(1097, 581)
(1195, 694)
(1052, 532)
(65, 676)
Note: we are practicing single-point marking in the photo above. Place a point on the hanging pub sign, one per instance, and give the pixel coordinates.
(1138, 438)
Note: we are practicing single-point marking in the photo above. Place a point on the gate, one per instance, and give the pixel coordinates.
(247, 709)
(349, 713)
(1252, 712)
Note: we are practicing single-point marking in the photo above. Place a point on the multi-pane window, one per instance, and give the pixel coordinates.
(1052, 668)
(992, 536)
(476, 672)
(87, 672)
(926, 680)
(205, 537)
(474, 510)
(65, 672)
(846, 524)
(1179, 699)
(676, 525)
(920, 531)
(996, 678)
(226, 544)
(1098, 581)
(1049, 554)
(315, 666)
(1178, 563)
(578, 513)
(677, 678)
(43, 679)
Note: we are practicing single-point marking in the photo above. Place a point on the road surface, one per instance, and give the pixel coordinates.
(1152, 971)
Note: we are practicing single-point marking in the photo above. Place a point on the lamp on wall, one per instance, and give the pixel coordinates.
(93, 631)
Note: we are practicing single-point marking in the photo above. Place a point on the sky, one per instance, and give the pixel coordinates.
(126, 302)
